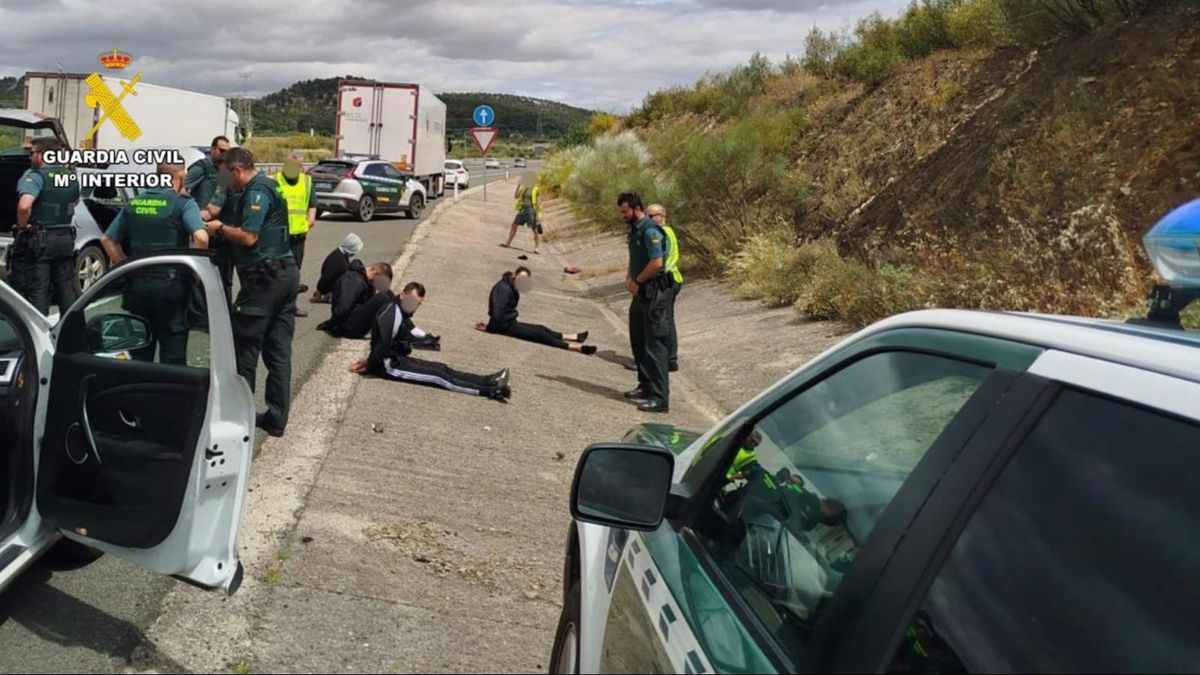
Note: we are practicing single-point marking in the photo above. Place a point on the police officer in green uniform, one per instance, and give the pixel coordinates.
(674, 279)
(159, 219)
(264, 313)
(204, 184)
(649, 329)
(43, 250)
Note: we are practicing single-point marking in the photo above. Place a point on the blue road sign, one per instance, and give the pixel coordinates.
(484, 116)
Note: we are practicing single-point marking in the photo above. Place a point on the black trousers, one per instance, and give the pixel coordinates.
(43, 267)
(532, 332)
(673, 339)
(264, 320)
(358, 324)
(649, 332)
(223, 259)
(297, 242)
(163, 303)
(434, 374)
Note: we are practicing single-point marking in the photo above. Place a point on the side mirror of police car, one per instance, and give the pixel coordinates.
(622, 485)
(110, 334)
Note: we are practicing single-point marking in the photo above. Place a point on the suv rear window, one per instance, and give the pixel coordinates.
(1081, 558)
(453, 165)
(335, 168)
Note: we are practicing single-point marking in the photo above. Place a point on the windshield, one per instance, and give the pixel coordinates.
(15, 140)
(453, 165)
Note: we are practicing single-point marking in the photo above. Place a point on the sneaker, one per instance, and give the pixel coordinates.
(588, 349)
(500, 379)
(501, 394)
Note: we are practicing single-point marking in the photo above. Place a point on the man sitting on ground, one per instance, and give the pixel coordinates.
(360, 294)
(335, 265)
(502, 316)
(391, 349)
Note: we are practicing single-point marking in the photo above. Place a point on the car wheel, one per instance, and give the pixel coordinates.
(564, 658)
(366, 209)
(320, 214)
(90, 265)
(415, 206)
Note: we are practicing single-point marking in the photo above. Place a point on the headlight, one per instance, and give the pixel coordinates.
(1173, 245)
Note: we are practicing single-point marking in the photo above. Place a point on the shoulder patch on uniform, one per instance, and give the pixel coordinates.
(256, 205)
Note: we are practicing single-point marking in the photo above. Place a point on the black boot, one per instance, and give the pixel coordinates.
(654, 406)
(638, 393)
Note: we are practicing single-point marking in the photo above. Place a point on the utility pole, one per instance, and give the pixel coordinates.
(246, 112)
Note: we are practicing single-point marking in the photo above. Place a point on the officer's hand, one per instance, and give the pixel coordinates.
(631, 286)
(206, 216)
(213, 226)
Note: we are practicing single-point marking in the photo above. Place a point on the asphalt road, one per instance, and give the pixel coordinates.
(92, 619)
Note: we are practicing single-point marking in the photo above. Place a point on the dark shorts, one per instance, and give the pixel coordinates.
(526, 216)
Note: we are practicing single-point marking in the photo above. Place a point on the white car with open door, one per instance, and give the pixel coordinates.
(108, 445)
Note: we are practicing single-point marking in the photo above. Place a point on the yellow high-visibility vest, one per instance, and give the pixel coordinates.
(671, 264)
(297, 201)
(533, 199)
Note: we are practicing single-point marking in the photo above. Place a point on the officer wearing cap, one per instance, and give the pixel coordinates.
(264, 313)
(159, 219)
(649, 329)
(43, 250)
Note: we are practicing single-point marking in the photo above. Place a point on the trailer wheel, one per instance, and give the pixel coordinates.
(366, 209)
(415, 206)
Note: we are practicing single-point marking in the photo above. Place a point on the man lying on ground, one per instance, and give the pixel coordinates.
(335, 265)
(502, 316)
(391, 347)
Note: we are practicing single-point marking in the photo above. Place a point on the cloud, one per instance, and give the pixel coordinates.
(593, 53)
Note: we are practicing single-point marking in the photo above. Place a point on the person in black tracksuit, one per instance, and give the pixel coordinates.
(502, 316)
(358, 296)
(335, 265)
(392, 346)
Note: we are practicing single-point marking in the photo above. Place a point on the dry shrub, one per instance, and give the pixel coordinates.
(769, 267)
(850, 290)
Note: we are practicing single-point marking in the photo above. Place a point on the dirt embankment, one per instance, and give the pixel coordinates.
(1000, 167)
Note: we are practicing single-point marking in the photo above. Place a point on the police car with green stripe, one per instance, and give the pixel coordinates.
(946, 491)
(365, 187)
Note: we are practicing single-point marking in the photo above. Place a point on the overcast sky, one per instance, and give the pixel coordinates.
(598, 54)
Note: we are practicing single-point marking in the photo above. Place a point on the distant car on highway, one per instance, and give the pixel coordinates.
(519, 163)
(456, 174)
(492, 164)
(946, 491)
(363, 188)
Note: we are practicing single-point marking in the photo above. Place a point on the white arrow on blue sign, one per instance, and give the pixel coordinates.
(484, 116)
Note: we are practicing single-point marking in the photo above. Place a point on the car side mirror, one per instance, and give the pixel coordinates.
(622, 485)
(113, 333)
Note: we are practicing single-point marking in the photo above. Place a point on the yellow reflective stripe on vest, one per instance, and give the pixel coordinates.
(297, 201)
(671, 264)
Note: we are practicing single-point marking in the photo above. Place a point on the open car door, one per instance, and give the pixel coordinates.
(147, 430)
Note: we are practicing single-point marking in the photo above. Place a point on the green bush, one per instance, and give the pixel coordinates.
(978, 24)
(769, 267)
(848, 290)
(724, 185)
(558, 167)
(923, 28)
(820, 49)
(873, 54)
(612, 164)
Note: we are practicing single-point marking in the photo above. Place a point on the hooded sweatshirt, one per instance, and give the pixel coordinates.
(502, 304)
(351, 290)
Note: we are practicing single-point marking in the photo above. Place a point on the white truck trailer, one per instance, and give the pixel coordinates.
(404, 124)
(167, 117)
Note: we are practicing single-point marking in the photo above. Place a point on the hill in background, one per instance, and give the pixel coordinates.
(309, 104)
(12, 92)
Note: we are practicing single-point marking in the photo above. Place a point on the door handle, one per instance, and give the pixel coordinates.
(134, 423)
(87, 425)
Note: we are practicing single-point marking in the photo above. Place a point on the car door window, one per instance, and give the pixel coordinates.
(1081, 558)
(155, 315)
(374, 170)
(392, 172)
(806, 489)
